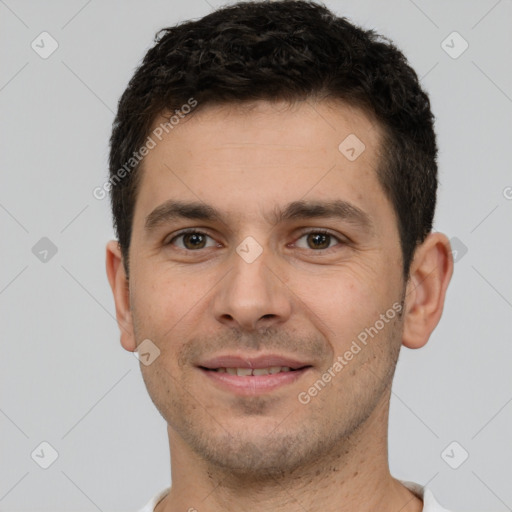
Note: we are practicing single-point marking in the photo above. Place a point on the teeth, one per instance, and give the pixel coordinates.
(245, 372)
(260, 371)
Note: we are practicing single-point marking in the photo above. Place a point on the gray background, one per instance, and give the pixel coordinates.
(66, 380)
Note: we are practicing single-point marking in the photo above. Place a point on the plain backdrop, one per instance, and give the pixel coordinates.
(66, 382)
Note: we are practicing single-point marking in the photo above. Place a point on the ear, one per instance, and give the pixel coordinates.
(121, 291)
(430, 274)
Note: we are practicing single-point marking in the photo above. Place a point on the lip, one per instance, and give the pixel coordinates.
(253, 384)
(254, 362)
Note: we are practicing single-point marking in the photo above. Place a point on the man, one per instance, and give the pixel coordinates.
(273, 185)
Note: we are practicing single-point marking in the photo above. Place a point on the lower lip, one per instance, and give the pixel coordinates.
(253, 384)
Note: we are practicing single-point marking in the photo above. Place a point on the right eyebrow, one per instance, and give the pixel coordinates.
(171, 210)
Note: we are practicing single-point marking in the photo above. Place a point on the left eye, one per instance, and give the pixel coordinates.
(319, 240)
(192, 240)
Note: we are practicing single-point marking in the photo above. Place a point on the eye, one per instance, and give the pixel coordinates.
(192, 240)
(318, 240)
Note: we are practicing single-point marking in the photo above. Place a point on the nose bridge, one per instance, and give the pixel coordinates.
(251, 296)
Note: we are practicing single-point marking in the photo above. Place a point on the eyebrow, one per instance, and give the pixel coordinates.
(297, 210)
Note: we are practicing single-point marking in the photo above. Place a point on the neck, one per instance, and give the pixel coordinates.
(353, 476)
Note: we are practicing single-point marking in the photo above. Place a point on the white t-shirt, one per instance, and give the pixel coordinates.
(424, 493)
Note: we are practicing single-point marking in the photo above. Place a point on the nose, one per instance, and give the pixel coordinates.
(252, 295)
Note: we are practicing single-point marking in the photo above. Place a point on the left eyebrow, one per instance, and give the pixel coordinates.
(171, 210)
(338, 208)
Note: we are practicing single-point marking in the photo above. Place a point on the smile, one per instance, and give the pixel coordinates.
(246, 372)
(253, 381)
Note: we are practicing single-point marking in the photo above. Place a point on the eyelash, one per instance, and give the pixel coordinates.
(302, 234)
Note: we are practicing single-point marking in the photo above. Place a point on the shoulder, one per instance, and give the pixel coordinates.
(430, 504)
(153, 502)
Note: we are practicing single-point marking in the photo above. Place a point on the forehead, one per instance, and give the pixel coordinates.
(262, 152)
(303, 127)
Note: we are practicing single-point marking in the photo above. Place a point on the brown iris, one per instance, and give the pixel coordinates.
(320, 240)
(196, 240)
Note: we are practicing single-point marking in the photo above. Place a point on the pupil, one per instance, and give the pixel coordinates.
(320, 240)
(194, 239)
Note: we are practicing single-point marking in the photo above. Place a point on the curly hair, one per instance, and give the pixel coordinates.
(289, 50)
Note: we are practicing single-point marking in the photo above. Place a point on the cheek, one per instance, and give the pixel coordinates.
(346, 307)
(344, 302)
(161, 304)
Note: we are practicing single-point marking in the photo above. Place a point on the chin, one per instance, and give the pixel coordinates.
(259, 455)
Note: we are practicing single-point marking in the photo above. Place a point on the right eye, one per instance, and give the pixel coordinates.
(191, 240)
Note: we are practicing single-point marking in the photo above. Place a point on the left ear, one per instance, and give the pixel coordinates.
(430, 274)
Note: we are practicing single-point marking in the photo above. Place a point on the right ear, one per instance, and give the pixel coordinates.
(121, 291)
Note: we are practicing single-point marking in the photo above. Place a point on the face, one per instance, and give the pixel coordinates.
(272, 290)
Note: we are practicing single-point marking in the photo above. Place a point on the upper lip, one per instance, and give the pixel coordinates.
(261, 361)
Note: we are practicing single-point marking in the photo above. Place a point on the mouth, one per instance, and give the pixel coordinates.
(254, 372)
(252, 376)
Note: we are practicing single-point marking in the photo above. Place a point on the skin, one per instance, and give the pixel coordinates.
(269, 451)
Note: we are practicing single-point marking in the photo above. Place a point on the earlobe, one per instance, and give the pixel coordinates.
(120, 289)
(431, 271)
